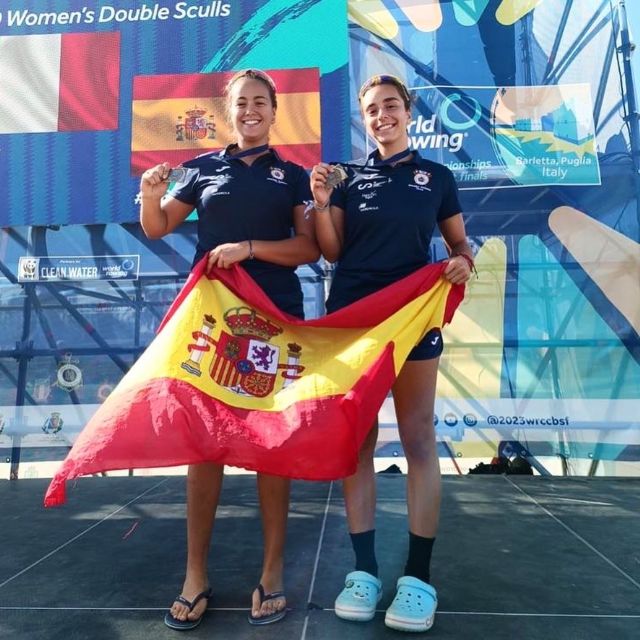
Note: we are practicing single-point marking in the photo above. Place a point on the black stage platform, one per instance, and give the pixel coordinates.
(517, 557)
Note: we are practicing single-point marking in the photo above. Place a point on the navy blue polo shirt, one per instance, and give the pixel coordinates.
(237, 202)
(390, 214)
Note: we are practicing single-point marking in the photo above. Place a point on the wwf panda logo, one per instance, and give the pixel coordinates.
(28, 268)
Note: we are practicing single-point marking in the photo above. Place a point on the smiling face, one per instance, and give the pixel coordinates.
(251, 111)
(386, 118)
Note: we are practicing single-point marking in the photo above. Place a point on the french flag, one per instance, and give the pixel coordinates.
(59, 82)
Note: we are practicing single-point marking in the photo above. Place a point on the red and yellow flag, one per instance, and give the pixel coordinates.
(176, 117)
(231, 379)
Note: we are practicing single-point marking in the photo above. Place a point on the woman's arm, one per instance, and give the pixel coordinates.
(458, 269)
(159, 214)
(329, 220)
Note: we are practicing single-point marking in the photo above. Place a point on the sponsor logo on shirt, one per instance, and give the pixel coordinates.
(421, 179)
(277, 175)
(371, 184)
(363, 207)
(215, 183)
(369, 179)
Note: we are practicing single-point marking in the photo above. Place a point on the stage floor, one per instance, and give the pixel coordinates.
(516, 557)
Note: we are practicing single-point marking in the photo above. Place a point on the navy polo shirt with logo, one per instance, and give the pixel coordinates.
(237, 202)
(390, 214)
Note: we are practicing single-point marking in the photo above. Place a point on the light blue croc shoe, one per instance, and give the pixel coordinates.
(358, 600)
(414, 607)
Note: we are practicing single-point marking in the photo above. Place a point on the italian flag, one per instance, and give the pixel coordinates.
(59, 82)
(231, 379)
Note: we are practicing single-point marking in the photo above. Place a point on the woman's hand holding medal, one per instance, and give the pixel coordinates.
(324, 178)
(153, 182)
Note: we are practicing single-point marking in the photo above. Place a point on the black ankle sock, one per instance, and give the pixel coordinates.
(419, 560)
(364, 547)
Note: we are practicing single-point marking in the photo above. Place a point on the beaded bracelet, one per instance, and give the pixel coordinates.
(311, 205)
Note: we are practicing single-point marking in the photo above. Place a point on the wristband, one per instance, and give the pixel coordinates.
(469, 260)
(318, 207)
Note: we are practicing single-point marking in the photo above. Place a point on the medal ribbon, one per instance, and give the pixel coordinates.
(394, 158)
(196, 163)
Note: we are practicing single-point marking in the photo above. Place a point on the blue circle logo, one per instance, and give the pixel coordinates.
(467, 102)
(451, 420)
(470, 420)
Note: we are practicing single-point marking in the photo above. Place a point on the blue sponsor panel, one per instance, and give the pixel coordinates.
(77, 268)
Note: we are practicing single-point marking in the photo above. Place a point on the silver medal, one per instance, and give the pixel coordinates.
(337, 175)
(179, 174)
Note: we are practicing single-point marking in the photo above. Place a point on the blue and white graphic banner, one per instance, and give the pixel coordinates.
(78, 268)
(508, 136)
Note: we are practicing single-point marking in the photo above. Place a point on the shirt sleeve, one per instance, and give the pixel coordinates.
(301, 188)
(450, 205)
(187, 191)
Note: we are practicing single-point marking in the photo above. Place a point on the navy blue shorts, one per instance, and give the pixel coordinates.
(429, 347)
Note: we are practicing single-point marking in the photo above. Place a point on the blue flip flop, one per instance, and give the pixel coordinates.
(185, 625)
(272, 617)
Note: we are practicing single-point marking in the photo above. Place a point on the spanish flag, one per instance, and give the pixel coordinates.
(176, 117)
(231, 379)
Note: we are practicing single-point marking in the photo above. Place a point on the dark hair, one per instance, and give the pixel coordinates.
(254, 74)
(377, 80)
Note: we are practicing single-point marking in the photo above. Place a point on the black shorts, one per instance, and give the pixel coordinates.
(429, 347)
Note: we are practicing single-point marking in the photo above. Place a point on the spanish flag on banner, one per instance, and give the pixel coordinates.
(176, 117)
(231, 379)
